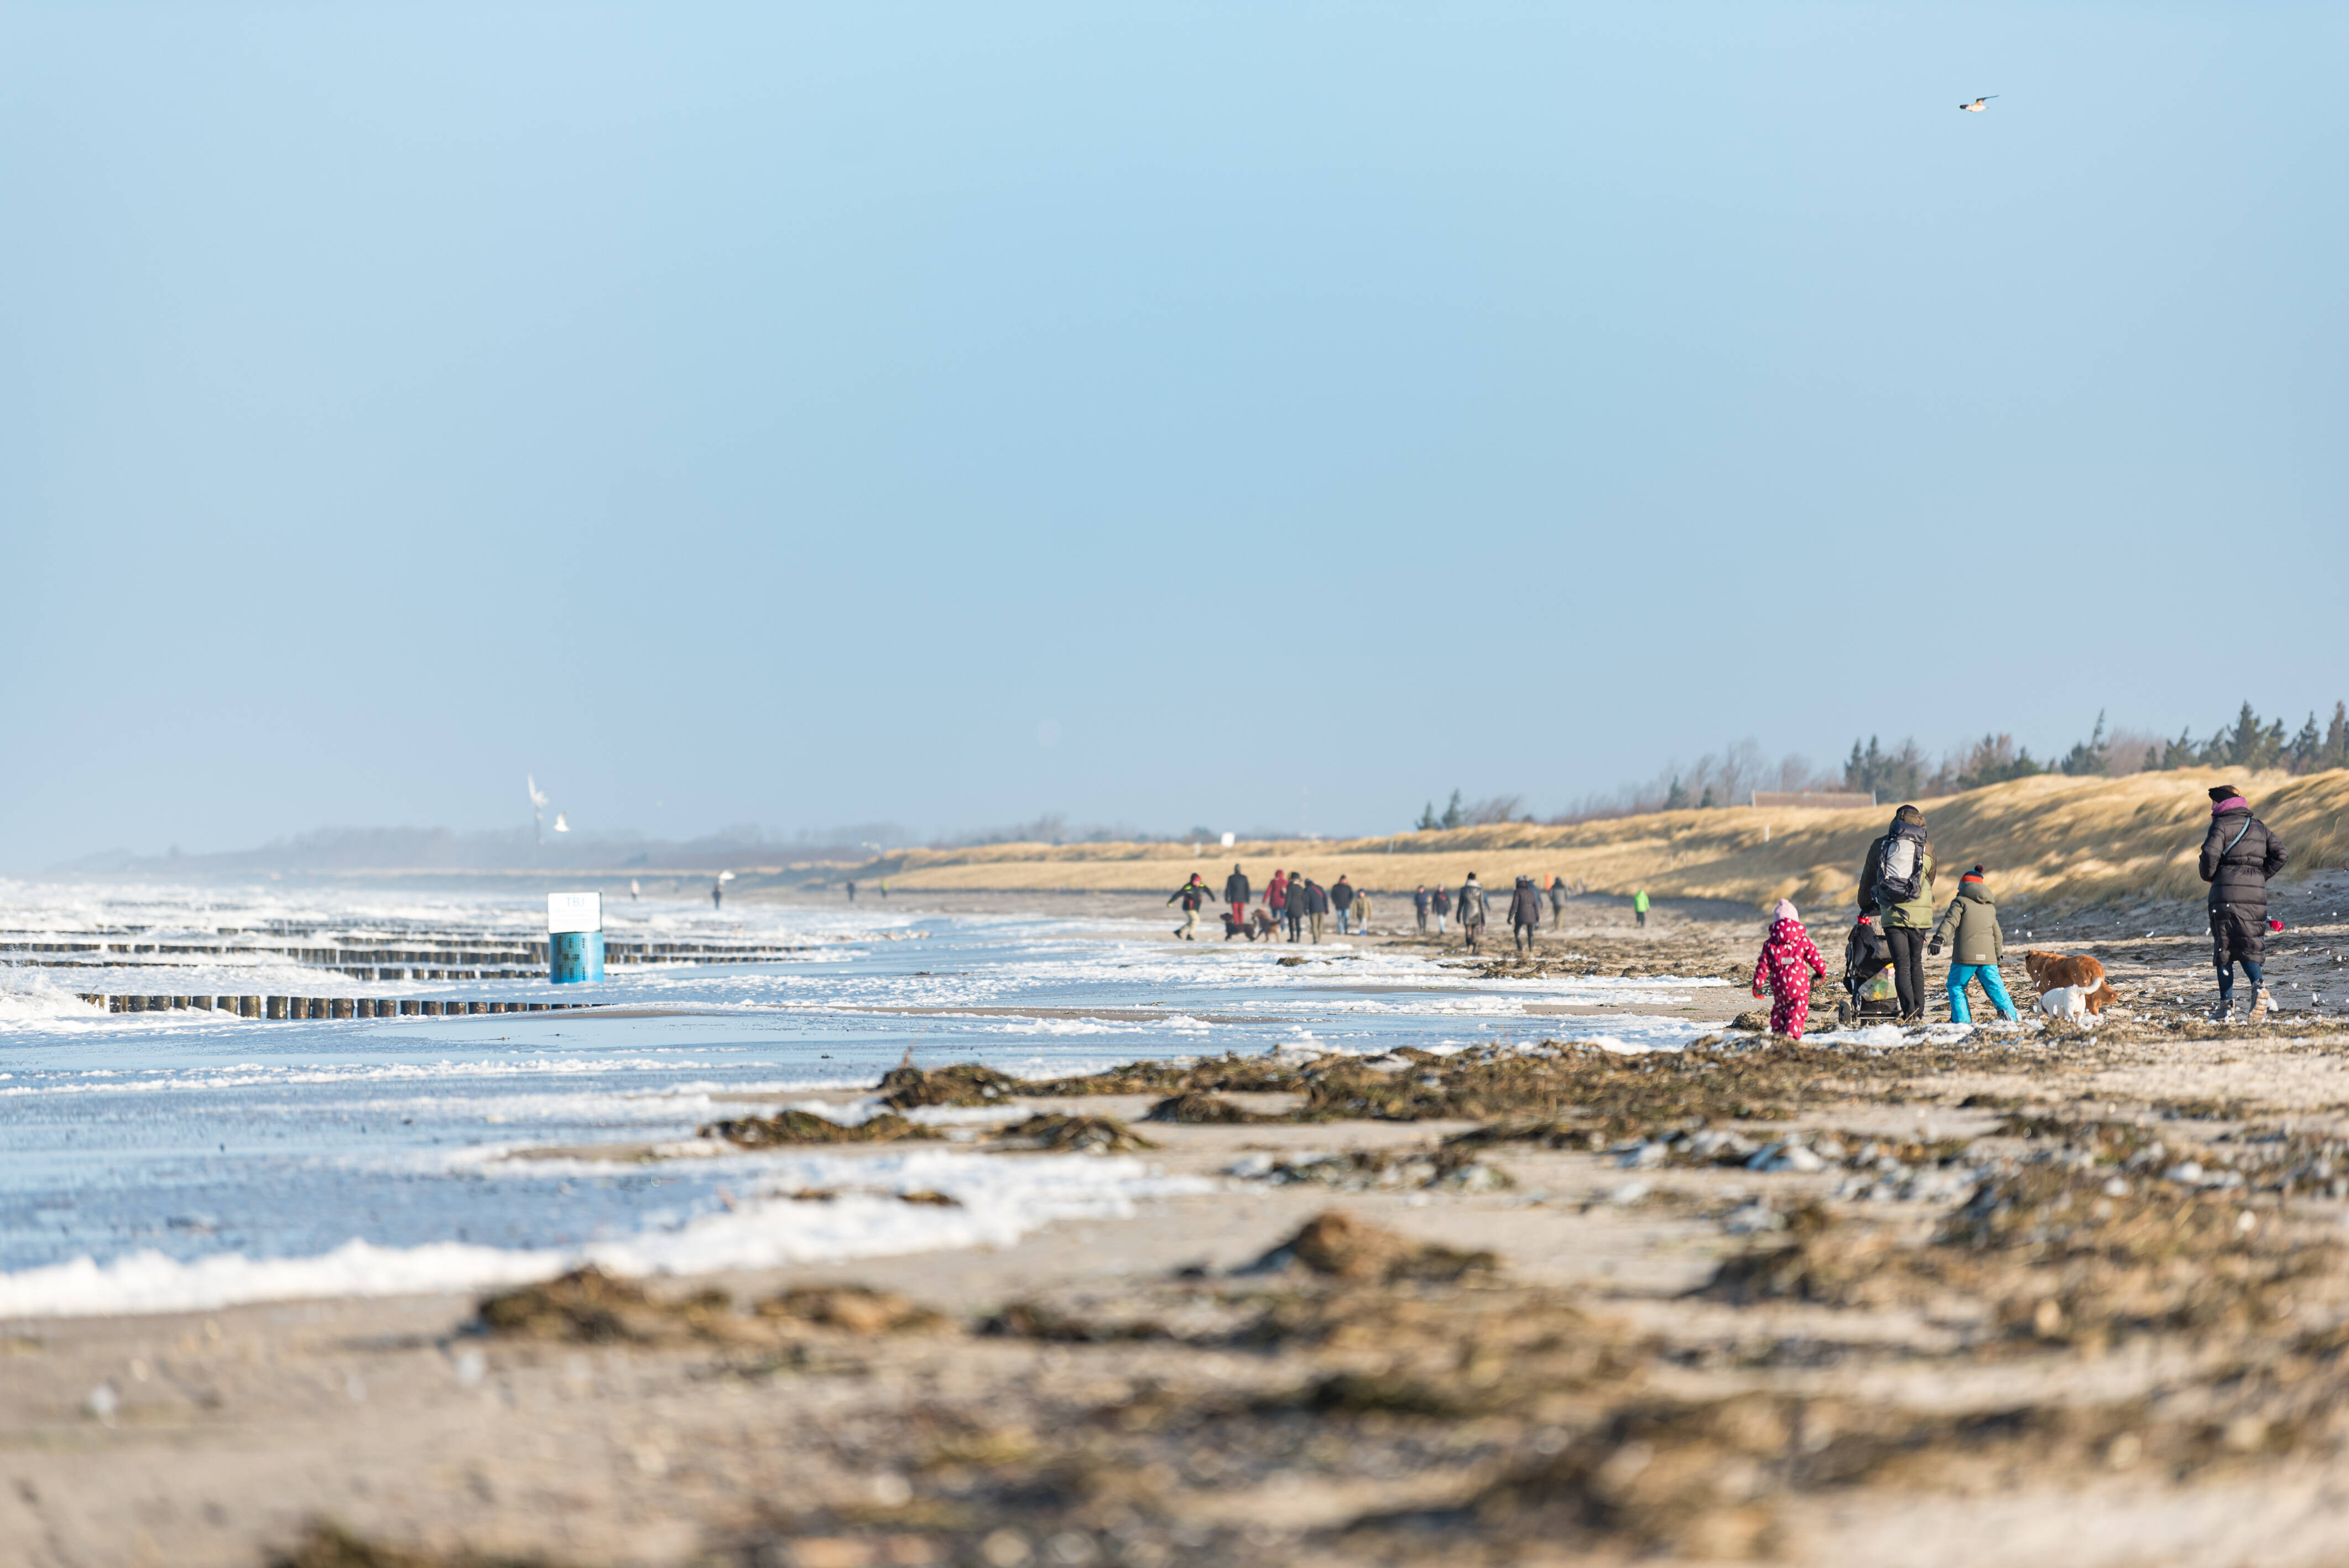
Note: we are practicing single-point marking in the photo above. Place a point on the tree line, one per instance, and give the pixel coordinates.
(1905, 772)
(2250, 743)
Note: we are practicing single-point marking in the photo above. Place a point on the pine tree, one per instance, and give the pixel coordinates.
(1451, 818)
(2246, 744)
(1707, 804)
(1676, 798)
(2088, 756)
(2336, 737)
(1866, 769)
(2307, 748)
(1426, 819)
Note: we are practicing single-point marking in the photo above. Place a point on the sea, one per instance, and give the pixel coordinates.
(187, 1160)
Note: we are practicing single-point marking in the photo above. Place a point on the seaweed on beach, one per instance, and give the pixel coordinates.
(1062, 1134)
(588, 1307)
(1565, 1081)
(1194, 1108)
(793, 1127)
(1416, 1168)
(1042, 1321)
(905, 1087)
(855, 1308)
(1336, 1244)
(1211, 1075)
(2060, 1253)
(329, 1546)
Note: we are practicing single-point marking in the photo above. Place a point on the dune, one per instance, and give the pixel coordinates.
(2053, 841)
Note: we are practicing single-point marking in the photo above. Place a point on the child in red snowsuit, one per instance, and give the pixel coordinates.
(1789, 959)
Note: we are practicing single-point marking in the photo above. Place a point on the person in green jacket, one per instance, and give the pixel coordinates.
(1971, 927)
(1640, 906)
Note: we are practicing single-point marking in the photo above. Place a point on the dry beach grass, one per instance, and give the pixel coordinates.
(2051, 841)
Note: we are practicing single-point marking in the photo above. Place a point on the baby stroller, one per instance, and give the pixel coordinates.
(1868, 988)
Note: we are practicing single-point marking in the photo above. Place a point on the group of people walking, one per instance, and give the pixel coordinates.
(1299, 903)
(1299, 907)
(1899, 928)
(1524, 907)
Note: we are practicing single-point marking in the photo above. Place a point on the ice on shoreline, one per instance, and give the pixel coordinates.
(997, 1200)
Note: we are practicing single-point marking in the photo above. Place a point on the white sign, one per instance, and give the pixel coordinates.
(573, 911)
(1228, 841)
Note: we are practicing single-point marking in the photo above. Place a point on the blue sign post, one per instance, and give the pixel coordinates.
(575, 937)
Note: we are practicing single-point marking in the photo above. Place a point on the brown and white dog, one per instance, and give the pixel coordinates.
(2062, 972)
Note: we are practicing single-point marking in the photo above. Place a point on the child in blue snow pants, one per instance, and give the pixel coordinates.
(1994, 987)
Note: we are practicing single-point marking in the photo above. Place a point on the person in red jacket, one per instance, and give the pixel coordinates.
(1790, 961)
(1276, 894)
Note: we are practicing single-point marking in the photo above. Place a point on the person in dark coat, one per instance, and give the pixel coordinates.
(1294, 903)
(1471, 900)
(1342, 899)
(1443, 899)
(1236, 893)
(2238, 855)
(1525, 913)
(1193, 894)
(1556, 904)
(1418, 906)
(1316, 908)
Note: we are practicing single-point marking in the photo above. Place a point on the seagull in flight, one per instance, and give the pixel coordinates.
(1979, 104)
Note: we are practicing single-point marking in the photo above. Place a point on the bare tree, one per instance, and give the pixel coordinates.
(1493, 810)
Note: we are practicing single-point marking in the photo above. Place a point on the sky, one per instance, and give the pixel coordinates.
(1201, 415)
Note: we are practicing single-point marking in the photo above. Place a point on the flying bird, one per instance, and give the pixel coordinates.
(1979, 104)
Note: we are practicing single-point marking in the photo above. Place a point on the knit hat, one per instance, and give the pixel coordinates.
(1973, 875)
(2226, 792)
(1785, 911)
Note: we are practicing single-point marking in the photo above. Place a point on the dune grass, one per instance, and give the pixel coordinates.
(2051, 840)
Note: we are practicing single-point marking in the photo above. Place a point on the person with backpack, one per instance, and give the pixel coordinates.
(1236, 893)
(1471, 903)
(1639, 907)
(1971, 927)
(1342, 899)
(1895, 883)
(1319, 910)
(1790, 961)
(1556, 904)
(1418, 906)
(2239, 853)
(1194, 894)
(1441, 898)
(1525, 913)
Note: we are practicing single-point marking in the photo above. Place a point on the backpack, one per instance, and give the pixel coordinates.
(1900, 873)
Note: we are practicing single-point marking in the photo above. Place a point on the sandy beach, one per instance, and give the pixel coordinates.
(1745, 1300)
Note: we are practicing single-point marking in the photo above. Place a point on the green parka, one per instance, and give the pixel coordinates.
(1914, 914)
(1970, 925)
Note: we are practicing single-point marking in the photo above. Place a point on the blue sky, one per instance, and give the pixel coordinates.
(800, 414)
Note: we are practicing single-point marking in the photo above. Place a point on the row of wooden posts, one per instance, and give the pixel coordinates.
(322, 1007)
